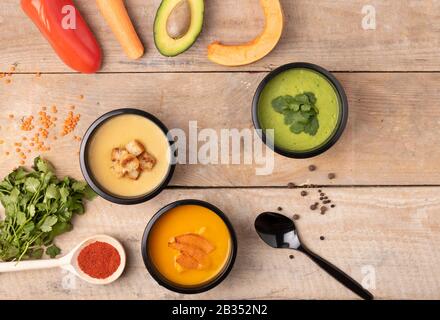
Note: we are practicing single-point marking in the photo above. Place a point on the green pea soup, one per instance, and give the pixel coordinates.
(293, 82)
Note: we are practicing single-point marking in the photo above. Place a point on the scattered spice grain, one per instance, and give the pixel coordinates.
(331, 176)
(70, 123)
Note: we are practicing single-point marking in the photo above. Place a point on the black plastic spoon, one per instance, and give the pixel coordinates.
(278, 231)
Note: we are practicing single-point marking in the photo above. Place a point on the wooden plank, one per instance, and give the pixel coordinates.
(326, 32)
(392, 232)
(387, 141)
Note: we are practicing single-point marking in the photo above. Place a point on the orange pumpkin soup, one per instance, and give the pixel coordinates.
(189, 245)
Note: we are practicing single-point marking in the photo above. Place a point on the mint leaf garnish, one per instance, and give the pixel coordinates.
(300, 112)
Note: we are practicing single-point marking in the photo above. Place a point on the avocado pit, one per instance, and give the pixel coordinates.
(177, 25)
(179, 20)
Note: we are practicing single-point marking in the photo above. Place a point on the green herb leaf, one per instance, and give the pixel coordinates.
(42, 165)
(32, 185)
(31, 210)
(300, 112)
(53, 251)
(57, 229)
(6, 185)
(10, 252)
(29, 227)
(89, 194)
(79, 186)
(48, 223)
(297, 127)
(52, 192)
(279, 104)
(302, 98)
(289, 117)
(77, 208)
(64, 193)
(13, 196)
(38, 208)
(306, 107)
(37, 254)
(312, 127)
(312, 97)
(21, 218)
(20, 173)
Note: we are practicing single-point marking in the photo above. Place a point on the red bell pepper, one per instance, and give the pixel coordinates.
(63, 26)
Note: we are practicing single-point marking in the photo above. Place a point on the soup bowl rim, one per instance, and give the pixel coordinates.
(342, 119)
(87, 172)
(159, 278)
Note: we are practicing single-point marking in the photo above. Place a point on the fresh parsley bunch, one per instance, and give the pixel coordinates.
(38, 207)
(300, 112)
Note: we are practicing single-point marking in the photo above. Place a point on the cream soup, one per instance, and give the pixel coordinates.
(117, 132)
(293, 82)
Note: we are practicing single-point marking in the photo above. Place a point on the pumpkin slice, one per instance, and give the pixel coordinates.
(238, 55)
(197, 241)
(187, 262)
(194, 252)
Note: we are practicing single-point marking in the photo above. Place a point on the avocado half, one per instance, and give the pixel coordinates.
(168, 46)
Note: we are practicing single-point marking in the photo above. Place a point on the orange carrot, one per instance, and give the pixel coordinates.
(117, 18)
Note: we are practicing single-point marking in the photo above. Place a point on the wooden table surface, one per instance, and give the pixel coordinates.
(386, 223)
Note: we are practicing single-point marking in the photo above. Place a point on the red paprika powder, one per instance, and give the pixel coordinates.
(99, 260)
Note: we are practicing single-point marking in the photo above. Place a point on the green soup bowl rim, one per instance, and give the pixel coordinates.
(342, 119)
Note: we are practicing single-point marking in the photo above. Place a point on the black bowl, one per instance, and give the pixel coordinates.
(161, 280)
(88, 174)
(343, 114)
